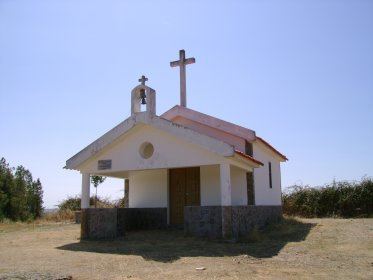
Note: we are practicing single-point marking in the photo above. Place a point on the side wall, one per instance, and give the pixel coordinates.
(148, 188)
(264, 195)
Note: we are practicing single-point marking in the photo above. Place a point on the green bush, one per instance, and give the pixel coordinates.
(73, 203)
(341, 199)
(70, 203)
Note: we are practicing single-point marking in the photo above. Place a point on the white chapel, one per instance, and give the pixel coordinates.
(182, 168)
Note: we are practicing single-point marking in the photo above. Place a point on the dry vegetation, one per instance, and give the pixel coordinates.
(57, 216)
(295, 249)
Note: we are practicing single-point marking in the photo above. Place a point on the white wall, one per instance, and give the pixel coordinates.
(169, 152)
(148, 188)
(210, 185)
(264, 195)
(239, 186)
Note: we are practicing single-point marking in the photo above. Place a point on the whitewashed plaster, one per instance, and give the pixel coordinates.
(123, 132)
(239, 186)
(148, 188)
(86, 183)
(169, 152)
(210, 185)
(225, 184)
(136, 99)
(264, 195)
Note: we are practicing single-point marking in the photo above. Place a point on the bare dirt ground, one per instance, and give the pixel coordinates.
(295, 249)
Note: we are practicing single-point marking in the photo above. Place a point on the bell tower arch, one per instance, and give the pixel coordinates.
(143, 95)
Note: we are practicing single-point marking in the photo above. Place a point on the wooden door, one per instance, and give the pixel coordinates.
(184, 191)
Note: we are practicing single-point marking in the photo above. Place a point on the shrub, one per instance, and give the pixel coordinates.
(73, 203)
(120, 203)
(70, 203)
(342, 199)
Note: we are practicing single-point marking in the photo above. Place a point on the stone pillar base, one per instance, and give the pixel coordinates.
(98, 223)
(226, 222)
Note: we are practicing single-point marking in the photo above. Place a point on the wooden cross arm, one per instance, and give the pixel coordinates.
(175, 63)
(186, 61)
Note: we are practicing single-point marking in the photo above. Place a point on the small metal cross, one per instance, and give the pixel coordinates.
(142, 80)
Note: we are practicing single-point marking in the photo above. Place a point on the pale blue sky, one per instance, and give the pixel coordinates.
(299, 73)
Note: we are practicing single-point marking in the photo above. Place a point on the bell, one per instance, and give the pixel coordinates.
(143, 101)
(143, 97)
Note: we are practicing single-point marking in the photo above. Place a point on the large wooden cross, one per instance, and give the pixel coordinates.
(182, 62)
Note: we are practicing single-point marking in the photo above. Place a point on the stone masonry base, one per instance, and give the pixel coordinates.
(204, 221)
(107, 223)
(228, 221)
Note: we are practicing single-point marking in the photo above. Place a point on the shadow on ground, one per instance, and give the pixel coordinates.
(170, 245)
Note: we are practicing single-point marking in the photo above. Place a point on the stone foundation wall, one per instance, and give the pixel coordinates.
(203, 221)
(141, 219)
(107, 223)
(97, 223)
(246, 218)
(206, 221)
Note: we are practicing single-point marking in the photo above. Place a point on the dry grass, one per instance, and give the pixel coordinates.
(294, 249)
(57, 217)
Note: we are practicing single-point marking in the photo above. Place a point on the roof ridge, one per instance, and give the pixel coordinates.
(202, 118)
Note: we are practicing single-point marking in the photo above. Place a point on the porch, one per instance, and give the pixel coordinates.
(159, 198)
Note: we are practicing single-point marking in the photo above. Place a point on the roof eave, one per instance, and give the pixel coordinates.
(253, 162)
(282, 157)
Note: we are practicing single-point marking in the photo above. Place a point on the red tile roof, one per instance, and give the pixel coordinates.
(271, 147)
(248, 157)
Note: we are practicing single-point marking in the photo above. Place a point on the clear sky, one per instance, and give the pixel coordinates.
(299, 73)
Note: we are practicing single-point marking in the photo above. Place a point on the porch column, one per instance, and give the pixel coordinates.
(85, 190)
(226, 200)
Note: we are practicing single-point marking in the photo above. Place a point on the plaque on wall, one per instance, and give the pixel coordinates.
(104, 164)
